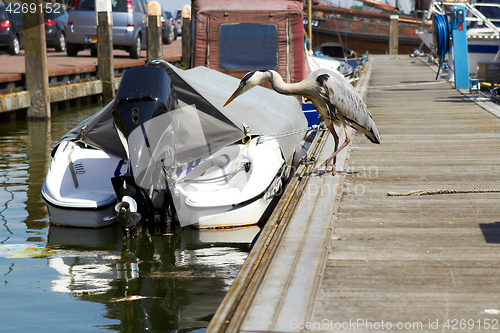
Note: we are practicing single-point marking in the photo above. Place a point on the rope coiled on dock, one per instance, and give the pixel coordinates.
(441, 191)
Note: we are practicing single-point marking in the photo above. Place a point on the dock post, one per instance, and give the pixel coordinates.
(393, 34)
(186, 37)
(155, 47)
(35, 50)
(105, 63)
(39, 142)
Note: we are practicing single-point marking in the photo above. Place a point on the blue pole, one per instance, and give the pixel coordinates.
(460, 49)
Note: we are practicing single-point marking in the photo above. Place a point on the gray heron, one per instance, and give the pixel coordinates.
(331, 94)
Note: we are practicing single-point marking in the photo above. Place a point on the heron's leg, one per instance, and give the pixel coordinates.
(336, 139)
(334, 155)
(346, 142)
(327, 163)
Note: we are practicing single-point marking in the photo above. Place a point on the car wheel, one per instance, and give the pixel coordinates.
(14, 46)
(135, 50)
(72, 49)
(170, 37)
(61, 43)
(175, 34)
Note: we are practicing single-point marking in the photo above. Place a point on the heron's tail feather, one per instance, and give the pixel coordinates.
(370, 130)
(374, 135)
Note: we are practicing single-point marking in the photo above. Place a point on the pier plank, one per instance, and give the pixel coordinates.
(426, 258)
(354, 259)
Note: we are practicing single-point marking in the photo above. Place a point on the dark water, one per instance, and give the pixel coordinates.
(55, 279)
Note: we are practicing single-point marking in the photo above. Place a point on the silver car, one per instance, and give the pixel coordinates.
(178, 18)
(129, 27)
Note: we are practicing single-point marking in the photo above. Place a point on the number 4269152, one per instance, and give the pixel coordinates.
(25, 8)
(462, 324)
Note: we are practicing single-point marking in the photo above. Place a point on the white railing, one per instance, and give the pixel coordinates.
(473, 14)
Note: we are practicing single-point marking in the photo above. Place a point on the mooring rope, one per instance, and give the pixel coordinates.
(445, 191)
(263, 138)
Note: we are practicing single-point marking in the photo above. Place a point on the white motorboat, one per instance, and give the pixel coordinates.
(171, 149)
(82, 179)
(78, 188)
(317, 59)
(237, 184)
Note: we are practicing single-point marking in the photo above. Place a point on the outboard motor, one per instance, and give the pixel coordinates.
(144, 93)
(125, 186)
(128, 217)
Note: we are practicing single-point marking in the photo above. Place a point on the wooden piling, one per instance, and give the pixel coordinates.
(105, 64)
(393, 34)
(154, 40)
(186, 37)
(37, 82)
(39, 144)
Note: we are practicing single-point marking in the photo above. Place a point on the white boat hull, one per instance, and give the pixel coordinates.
(235, 201)
(78, 187)
(238, 201)
(81, 218)
(481, 48)
(223, 216)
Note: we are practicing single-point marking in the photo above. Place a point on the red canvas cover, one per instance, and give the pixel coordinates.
(208, 15)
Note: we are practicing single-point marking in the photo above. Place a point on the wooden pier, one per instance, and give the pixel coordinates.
(339, 254)
(73, 81)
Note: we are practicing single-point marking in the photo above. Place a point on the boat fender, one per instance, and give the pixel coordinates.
(274, 189)
(286, 173)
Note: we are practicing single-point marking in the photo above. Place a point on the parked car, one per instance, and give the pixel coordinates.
(11, 30)
(56, 21)
(174, 23)
(167, 30)
(178, 19)
(129, 26)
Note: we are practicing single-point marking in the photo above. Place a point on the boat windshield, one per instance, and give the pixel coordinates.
(166, 143)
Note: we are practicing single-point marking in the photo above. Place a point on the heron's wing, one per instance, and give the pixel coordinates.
(349, 105)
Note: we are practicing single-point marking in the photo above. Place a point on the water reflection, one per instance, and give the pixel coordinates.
(24, 158)
(168, 278)
(39, 143)
(13, 176)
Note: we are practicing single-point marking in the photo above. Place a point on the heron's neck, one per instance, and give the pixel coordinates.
(285, 88)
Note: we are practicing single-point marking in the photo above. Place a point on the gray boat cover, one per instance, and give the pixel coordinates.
(264, 111)
(98, 131)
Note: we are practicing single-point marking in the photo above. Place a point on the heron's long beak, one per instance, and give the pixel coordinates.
(233, 96)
